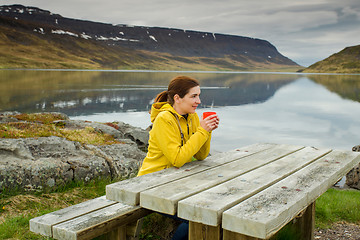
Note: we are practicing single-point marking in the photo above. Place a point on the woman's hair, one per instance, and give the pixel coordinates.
(179, 85)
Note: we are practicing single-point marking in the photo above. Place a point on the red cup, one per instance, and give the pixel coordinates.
(206, 114)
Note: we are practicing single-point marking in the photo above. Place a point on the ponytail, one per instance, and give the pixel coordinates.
(162, 97)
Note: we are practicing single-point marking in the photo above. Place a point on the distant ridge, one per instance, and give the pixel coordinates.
(345, 61)
(41, 39)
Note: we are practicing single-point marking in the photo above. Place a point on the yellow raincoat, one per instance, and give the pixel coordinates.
(166, 148)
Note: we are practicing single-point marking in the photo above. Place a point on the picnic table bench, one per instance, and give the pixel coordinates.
(246, 193)
(90, 219)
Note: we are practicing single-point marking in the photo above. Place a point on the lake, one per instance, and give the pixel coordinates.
(320, 110)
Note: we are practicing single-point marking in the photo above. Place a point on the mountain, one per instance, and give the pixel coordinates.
(345, 61)
(34, 38)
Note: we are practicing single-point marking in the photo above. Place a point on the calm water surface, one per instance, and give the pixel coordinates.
(312, 110)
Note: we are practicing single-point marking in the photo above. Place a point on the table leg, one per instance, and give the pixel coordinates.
(304, 223)
(199, 231)
(117, 234)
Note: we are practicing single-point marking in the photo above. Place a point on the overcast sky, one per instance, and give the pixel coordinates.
(305, 31)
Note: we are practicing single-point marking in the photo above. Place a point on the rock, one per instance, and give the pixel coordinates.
(119, 130)
(9, 113)
(353, 177)
(78, 124)
(136, 134)
(50, 162)
(124, 158)
(6, 117)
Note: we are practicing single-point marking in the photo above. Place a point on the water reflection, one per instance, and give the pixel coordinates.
(301, 113)
(89, 92)
(300, 109)
(347, 86)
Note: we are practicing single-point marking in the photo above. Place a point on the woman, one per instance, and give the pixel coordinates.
(177, 135)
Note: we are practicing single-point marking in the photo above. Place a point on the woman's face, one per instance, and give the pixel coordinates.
(189, 102)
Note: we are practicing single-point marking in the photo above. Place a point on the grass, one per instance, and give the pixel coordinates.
(45, 125)
(345, 61)
(14, 229)
(16, 210)
(45, 118)
(336, 206)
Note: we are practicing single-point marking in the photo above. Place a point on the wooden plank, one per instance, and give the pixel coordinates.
(42, 224)
(165, 198)
(304, 223)
(98, 222)
(303, 226)
(128, 191)
(268, 211)
(207, 207)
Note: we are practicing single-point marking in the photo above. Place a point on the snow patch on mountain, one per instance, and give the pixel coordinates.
(64, 32)
(153, 38)
(39, 30)
(102, 38)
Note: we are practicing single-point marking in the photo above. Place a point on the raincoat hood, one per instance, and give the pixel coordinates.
(159, 107)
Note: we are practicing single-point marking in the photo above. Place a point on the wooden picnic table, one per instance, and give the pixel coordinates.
(246, 193)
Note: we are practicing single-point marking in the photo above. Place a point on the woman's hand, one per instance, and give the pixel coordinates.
(210, 123)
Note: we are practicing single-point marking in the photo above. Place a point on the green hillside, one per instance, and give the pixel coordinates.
(19, 49)
(345, 61)
(23, 50)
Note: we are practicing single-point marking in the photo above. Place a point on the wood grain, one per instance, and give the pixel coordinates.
(207, 207)
(98, 222)
(267, 212)
(128, 191)
(43, 224)
(165, 198)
